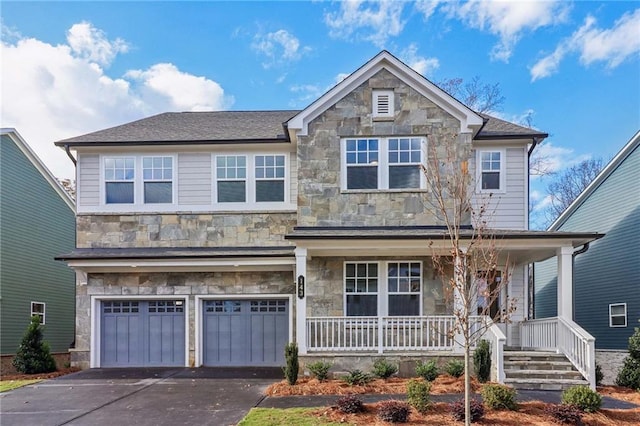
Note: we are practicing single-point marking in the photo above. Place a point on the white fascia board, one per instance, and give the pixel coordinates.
(184, 265)
(470, 122)
(633, 143)
(39, 165)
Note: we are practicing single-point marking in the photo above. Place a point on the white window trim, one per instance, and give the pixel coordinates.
(173, 175)
(250, 186)
(138, 204)
(43, 313)
(503, 168)
(383, 164)
(617, 315)
(375, 95)
(383, 290)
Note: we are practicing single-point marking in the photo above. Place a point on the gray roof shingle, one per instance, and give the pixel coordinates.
(237, 126)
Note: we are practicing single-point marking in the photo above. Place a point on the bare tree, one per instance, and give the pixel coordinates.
(479, 96)
(471, 269)
(566, 186)
(69, 186)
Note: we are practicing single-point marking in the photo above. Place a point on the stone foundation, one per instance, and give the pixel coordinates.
(611, 362)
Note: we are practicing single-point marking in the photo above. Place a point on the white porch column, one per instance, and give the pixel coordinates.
(565, 282)
(301, 303)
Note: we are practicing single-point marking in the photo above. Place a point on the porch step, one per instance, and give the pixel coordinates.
(540, 370)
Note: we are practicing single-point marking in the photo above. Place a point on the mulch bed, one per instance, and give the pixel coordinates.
(40, 376)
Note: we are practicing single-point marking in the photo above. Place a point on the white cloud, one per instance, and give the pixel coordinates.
(508, 19)
(279, 47)
(427, 7)
(554, 158)
(373, 21)
(341, 76)
(422, 65)
(92, 44)
(55, 92)
(612, 46)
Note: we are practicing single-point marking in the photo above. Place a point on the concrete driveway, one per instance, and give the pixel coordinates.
(140, 396)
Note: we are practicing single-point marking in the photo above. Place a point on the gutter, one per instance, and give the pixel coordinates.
(581, 250)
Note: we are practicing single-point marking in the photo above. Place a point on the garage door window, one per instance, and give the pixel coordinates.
(166, 306)
(226, 306)
(120, 307)
(269, 306)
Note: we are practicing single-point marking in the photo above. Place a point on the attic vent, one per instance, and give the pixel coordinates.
(383, 103)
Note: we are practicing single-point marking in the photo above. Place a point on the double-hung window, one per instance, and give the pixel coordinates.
(157, 175)
(383, 163)
(400, 297)
(119, 177)
(269, 173)
(361, 287)
(404, 280)
(618, 315)
(231, 172)
(38, 309)
(491, 170)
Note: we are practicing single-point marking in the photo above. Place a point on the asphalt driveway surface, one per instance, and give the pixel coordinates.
(140, 396)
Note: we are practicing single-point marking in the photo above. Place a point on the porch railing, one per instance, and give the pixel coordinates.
(565, 336)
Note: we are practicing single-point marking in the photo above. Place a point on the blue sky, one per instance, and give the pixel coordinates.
(75, 67)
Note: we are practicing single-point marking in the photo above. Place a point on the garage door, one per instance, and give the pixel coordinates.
(142, 333)
(245, 332)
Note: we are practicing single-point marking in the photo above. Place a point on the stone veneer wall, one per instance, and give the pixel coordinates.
(325, 285)
(184, 230)
(179, 284)
(611, 362)
(321, 202)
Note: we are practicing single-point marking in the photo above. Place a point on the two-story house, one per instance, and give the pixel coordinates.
(214, 238)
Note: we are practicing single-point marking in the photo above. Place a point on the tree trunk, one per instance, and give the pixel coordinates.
(467, 385)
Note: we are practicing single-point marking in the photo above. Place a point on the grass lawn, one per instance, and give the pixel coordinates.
(7, 385)
(289, 416)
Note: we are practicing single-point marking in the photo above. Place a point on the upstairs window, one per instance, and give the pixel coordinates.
(383, 163)
(404, 162)
(157, 174)
(491, 170)
(38, 309)
(269, 171)
(232, 178)
(362, 163)
(119, 174)
(383, 103)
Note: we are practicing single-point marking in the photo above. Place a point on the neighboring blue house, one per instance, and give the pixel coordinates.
(606, 276)
(37, 222)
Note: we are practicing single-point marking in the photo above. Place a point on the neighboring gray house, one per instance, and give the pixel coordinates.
(37, 222)
(607, 276)
(214, 238)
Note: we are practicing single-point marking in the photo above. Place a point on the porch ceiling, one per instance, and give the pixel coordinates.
(516, 246)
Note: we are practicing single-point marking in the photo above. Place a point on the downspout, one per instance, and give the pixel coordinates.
(583, 249)
(68, 151)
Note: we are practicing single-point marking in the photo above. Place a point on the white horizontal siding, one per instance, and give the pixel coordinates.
(194, 179)
(88, 180)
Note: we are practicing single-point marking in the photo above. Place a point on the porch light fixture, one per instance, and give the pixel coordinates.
(300, 286)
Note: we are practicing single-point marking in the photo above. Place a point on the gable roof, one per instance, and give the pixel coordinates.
(624, 153)
(496, 128)
(39, 165)
(193, 127)
(470, 121)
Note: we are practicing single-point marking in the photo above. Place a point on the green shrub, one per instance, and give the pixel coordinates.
(394, 411)
(455, 368)
(350, 404)
(33, 354)
(418, 394)
(357, 377)
(427, 370)
(629, 375)
(482, 361)
(599, 375)
(291, 358)
(499, 397)
(320, 370)
(384, 369)
(634, 344)
(583, 397)
(457, 410)
(565, 413)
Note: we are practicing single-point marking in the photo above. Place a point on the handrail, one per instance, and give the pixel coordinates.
(579, 347)
(498, 340)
